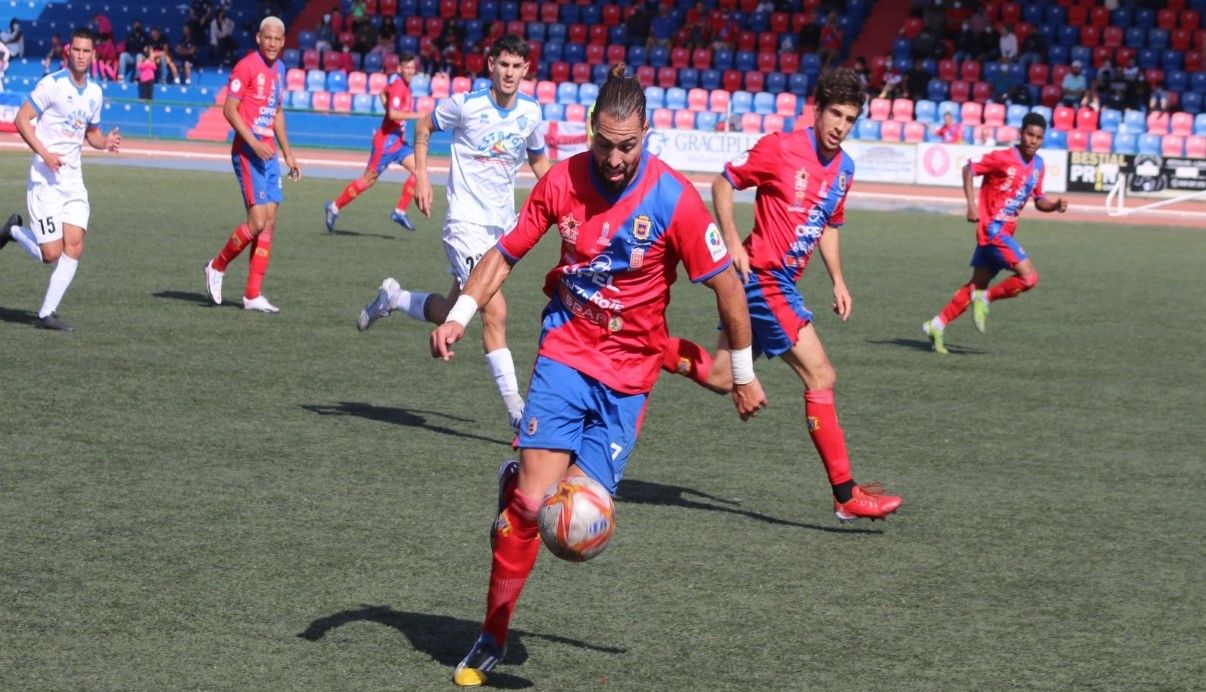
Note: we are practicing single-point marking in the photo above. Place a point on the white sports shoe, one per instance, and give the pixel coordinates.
(213, 283)
(514, 404)
(259, 303)
(387, 296)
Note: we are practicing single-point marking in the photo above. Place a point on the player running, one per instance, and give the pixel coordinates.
(802, 178)
(625, 221)
(1011, 177)
(493, 131)
(253, 109)
(67, 107)
(389, 146)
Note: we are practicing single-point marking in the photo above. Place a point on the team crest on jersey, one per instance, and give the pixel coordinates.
(800, 185)
(636, 258)
(522, 122)
(605, 235)
(841, 183)
(641, 227)
(259, 85)
(568, 228)
(615, 324)
(235, 85)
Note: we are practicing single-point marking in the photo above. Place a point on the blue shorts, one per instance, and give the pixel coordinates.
(388, 149)
(777, 311)
(1001, 252)
(259, 179)
(569, 411)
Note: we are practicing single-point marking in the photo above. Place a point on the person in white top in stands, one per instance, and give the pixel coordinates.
(67, 106)
(493, 131)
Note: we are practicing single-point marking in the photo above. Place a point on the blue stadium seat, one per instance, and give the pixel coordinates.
(299, 99)
(1057, 55)
(1135, 38)
(637, 56)
(868, 129)
(1109, 120)
(948, 107)
(1147, 59)
(536, 32)
(410, 44)
(1134, 122)
(588, 93)
(1170, 60)
(1191, 102)
(706, 121)
(741, 102)
(1149, 144)
(1126, 143)
(1082, 53)
(553, 51)
(363, 103)
(406, 8)
(676, 98)
(688, 78)
(655, 97)
(420, 85)
(1197, 82)
(590, 14)
(508, 10)
(745, 61)
(902, 48)
(710, 79)
(617, 34)
(570, 13)
(1069, 35)
(291, 57)
(481, 83)
(1014, 115)
(1199, 124)
(758, 22)
(1045, 112)
(337, 81)
(936, 90)
(797, 83)
(316, 80)
(1144, 18)
(372, 62)
(305, 40)
(1057, 15)
(810, 64)
(1176, 80)
(567, 92)
(557, 32)
(764, 102)
(554, 111)
(776, 82)
(1121, 17)
(575, 52)
(1056, 139)
(659, 56)
(487, 10)
(598, 73)
(429, 8)
(1157, 38)
(1032, 14)
(722, 59)
(925, 111)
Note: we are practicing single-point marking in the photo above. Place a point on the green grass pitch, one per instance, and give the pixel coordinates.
(199, 497)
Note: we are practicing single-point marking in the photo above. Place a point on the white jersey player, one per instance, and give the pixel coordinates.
(67, 106)
(493, 132)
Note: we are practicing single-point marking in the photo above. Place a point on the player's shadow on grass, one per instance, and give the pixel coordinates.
(189, 297)
(922, 345)
(17, 316)
(360, 234)
(397, 416)
(646, 493)
(445, 639)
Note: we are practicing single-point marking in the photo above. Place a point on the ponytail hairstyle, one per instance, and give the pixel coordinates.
(619, 97)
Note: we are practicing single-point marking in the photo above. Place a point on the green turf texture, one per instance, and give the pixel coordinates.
(200, 497)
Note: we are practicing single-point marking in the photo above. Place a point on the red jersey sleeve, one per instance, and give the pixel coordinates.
(240, 77)
(696, 238)
(535, 218)
(400, 97)
(1038, 187)
(986, 163)
(757, 166)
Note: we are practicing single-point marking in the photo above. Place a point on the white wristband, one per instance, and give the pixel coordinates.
(463, 310)
(742, 362)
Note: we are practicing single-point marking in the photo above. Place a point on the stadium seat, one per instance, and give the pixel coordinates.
(588, 93)
(1191, 102)
(1149, 144)
(320, 101)
(706, 121)
(926, 111)
(755, 81)
(1063, 118)
(709, 79)
(676, 98)
(891, 131)
(567, 93)
(1181, 124)
(741, 102)
(902, 110)
(1172, 145)
(363, 103)
(1056, 139)
(1086, 119)
(751, 122)
(299, 99)
(970, 113)
(357, 83)
(1078, 140)
(575, 113)
(1199, 124)
(732, 80)
(461, 84)
(441, 86)
(580, 72)
(554, 112)
(718, 101)
(1101, 142)
(645, 75)
(546, 92)
(378, 81)
(969, 71)
(982, 92)
(295, 79)
(341, 102)
(994, 114)
(663, 118)
(1109, 120)
(667, 77)
(764, 103)
(960, 91)
(316, 80)
(1133, 121)
(684, 120)
(332, 60)
(1195, 146)
(697, 100)
(797, 83)
(880, 109)
(915, 131)
(1014, 115)
(655, 97)
(868, 129)
(337, 81)
(1157, 123)
(786, 105)
(688, 78)
(772, 122)
(1126, 143)
(291, 57)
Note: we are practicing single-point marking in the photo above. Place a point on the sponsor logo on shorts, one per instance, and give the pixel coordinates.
(532, 425)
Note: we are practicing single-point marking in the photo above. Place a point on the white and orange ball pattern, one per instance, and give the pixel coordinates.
(577, 518)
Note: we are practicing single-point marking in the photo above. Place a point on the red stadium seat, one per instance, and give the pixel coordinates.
(754, 81)
(357, 82)
(748, 41)
(969, 113)
(595, 54)
(751, 122)
(528, 87)
(970, 71)
(433, 26)
(701, 58)
(580, 73)
(948, 70)
(1050, 95)
(960, 91)
(389, 8)
(575, 113)
(914, 131)
(1058, 72)
(1193, 61)
(1181, 124)
(295, 79)
(663, 119)
(994, 114)
(789, 62)
(718, 101)
(441, 86)
(772, 122)
(982, 92)
(546, 92)
(461, 85)
(1099, 17)
(1172, 145)
(425, 104)
(468, 9)
(599, 34)
(667, 77)
(529, 11)
(475, 62)
(891, 131)
(1038, 74)
(1006, 135)
(377, 82)
(680, 58)
(786, 104)
(1086, 119)
(1157, 123)
(902, 109)
(1063, 118)
(1101, 55)
(1180, 39)
(1078, 15)
(1090, 36)
(912, 27)
(684, 120)
(413, 26)
(578, 33)
(732, 80)
(767, 62)
(341, 102)
(332, 60)
(549, 12)
(1166, 19)
(1011, 12)
(1078, 140)
(697, 100)
(1101, 141)
(612, 15)
(880, 109)
(780, 22)
(320, 100)
(646, 75)
(768, 42)
(1111, 37)
(1195, 147)
(311, 59)
(616, 53)
(1191, 19)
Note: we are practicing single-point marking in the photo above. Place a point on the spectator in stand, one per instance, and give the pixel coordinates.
(359, 10)
(54, 55)
(918, 82)
(4, 60)
(1033, 49)
(161, 50)
(988, 44)
(365, 35)
(978, 21)
(1007, 44)
(893, 81)
(221, 38)
(127, 62)
(950, 132)
(1000, 80)
(636, 29)
(147, 67)
(14, 40)
(102, 26)
(1074, 87)
(324, 34)
(925, 45)
(831, 41)
(199, 16)
(1159, 99)
(1019, 94)
(662, 26)
(104, 63)
(967, 43)
(186, 51)
(387, 37)
(863, 72)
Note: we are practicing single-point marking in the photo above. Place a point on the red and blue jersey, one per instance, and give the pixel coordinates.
(258, 87)
(1009, 182)
(606, 316)
(799, 196)
(397, 98)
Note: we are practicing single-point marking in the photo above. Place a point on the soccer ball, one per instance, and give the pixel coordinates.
(577, 518)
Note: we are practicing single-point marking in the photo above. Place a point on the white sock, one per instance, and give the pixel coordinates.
(333, 207)
(25, 237)
(937, 323)
(503, 369)
(60, 279)
(412, 302)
